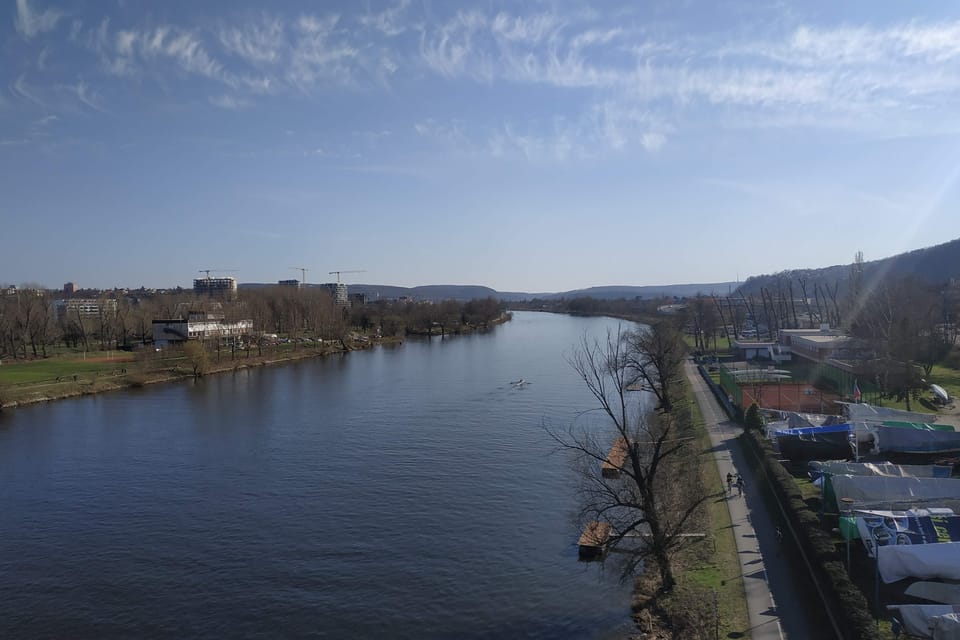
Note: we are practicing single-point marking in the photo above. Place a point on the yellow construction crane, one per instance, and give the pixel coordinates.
(302, 270)
(346, 271)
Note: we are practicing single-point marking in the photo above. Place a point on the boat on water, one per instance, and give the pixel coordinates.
(831, 442)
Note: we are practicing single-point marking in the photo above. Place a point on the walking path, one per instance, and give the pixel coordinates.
(755, 533)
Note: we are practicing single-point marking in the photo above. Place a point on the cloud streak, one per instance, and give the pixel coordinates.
(30, 23)
(632, 86)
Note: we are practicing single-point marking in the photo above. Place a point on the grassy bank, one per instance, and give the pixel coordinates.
(77, 373)
(70, 376)
(710, 571)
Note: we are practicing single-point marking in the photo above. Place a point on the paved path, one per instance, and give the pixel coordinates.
(755, 533)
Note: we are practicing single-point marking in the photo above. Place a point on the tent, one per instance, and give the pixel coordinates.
(921, 561)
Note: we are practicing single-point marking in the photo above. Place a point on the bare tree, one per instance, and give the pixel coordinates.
(656, 495)
(812, 318)
(899, 320)
(197, 358)
(654, 359)
(793, 304)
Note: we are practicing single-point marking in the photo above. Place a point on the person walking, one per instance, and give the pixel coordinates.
(729, 482)
(741, 485)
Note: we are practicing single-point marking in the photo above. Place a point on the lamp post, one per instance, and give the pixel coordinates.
(848, 509)
(882, 539)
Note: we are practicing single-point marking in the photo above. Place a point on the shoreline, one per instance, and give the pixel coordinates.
(138, 378)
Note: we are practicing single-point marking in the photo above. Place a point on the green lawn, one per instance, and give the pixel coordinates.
(723, 344)
(35, 371)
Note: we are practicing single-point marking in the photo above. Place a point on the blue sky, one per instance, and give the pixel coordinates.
(536, 146)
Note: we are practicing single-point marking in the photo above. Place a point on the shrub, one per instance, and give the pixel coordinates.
(753, 421)
(846, 603)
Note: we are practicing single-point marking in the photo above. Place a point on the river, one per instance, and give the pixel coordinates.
(402, 492)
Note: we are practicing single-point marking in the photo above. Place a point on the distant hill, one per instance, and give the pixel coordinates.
(936, 264)
(472, 292)
(657, 291)
(426, 292)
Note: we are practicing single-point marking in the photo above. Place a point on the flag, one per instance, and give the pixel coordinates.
(856, 391)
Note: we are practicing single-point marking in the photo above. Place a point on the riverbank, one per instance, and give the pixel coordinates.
(144, 370)
(113, 373)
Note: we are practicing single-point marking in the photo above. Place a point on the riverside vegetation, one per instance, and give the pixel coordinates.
(665, 488)
(44, 356)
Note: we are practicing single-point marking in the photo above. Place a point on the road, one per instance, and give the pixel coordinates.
(766, 579)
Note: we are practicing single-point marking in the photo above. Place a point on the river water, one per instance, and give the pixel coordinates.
(402, 492)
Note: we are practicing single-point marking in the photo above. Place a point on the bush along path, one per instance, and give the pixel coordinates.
(778, 604)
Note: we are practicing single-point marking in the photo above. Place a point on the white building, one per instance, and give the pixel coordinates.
(85, 307)
(817, 345)
(177, 330)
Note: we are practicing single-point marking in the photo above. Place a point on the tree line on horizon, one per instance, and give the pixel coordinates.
(902, 325)
(30, 326)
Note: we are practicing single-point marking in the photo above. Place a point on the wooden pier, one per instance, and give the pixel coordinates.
(614, 462)
(593, 541)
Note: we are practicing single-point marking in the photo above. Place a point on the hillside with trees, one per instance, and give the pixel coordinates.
(931, 265)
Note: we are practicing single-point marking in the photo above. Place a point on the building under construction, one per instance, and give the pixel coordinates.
(225, 288)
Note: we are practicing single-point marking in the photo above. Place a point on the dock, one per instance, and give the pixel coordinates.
(594, 539)
(610, 468)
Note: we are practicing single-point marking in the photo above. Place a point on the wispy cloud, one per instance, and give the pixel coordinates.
(617, 82)
(257, 42)
(558, 146)
(19, 88)
(29, 23)
(229, 102)
(449, 133)
(389, 21)
(321, 53)
(184, 47)
(526, 29)
(449, 49)
(124, 52)
(85, 95)
(606, 126)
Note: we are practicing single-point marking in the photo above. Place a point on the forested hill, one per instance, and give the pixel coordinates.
(934, 265)
(472, 292)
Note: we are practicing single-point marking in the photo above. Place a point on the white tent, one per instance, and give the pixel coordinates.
(899, 561)
(877, 491)
(881, 469)
(918, 619)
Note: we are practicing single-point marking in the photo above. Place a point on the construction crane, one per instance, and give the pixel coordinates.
(302, 270)
(346, 271)
(207, 271)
